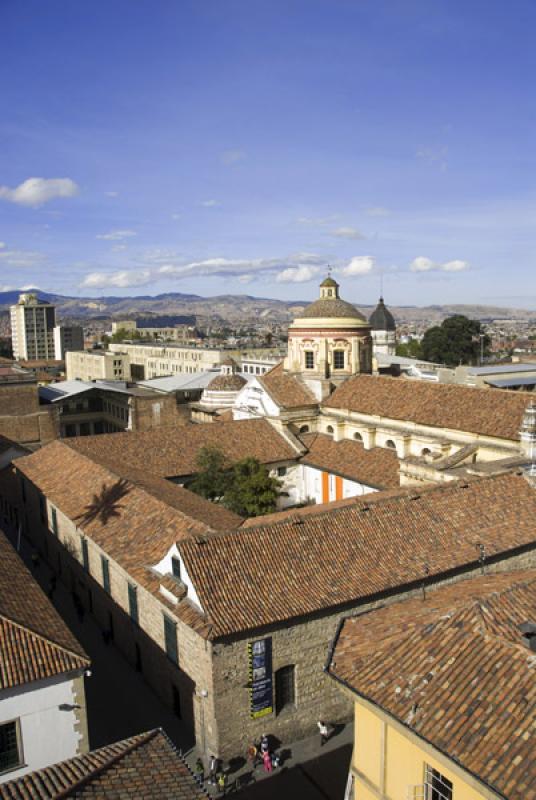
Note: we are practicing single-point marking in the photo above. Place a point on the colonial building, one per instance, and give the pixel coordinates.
(220, 394)
(444, 692)
(42, 698)
(229, 620)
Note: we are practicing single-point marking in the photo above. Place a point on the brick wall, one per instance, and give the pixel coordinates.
(154, 412)
(18, 399)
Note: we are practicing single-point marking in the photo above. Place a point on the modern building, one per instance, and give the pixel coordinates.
(66, 338)
(139, 768)
(97, 365)
(85, 408)
(444, 693)
(42, 666)
(32, 328)
(173, 333)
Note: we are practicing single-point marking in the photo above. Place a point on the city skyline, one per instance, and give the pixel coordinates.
(223, 148)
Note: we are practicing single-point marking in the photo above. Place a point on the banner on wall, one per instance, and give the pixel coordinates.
(261, 695)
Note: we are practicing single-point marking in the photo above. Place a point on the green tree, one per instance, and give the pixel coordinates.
(411, 349)
(122, 334)
(247, 488)
(213, 477)
(252, 490)
(456, 341)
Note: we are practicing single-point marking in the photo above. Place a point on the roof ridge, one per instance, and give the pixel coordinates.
(43, 638)
(114, 759)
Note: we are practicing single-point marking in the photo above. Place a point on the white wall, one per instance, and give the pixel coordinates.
(48, 734)
(253, 401)
(310, 486)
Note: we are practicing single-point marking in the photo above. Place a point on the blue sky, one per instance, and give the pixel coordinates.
(216, 146)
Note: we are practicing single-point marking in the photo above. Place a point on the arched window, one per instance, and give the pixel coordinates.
(426, 451)
(358, 437)
(390, 444)
(329, 429)
(304, 429)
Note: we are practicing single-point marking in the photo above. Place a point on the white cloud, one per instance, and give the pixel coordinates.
(2, 245)
(20, 258)
(377, 211)
(424, 264)
(111, 194)
(116, 236)
(434, 156)
(176, 216)
(36, 191)
(118, 280)
(318, 222)
(455, 266)
(302, 266)
(359, 265)
(4, 287)
(210, 203)
(348, 233)
(118, 248)
(232, 156)
(297, 274)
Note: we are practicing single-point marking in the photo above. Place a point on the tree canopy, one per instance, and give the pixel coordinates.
(456, 341)
(246, 487)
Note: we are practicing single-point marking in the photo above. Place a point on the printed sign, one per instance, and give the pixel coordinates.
(261, 700)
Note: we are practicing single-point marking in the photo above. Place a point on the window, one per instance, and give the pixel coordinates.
(281, 471)
(85, 554)
(10, 750)
(176, 567)
(436, 785)
(358, 437)
(309, 359)
(329, 429)
(304, 429)
(285, 687)
(105, 574)
(338, 359)
(390, 444)
(170, 637)
(42, 509)
(54, 517)
(133, 603)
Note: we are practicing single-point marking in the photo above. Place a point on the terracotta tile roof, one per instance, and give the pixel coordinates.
(373, 545)
(286, 390)
(432, 664)
(481, 411)
(377, 467)
(35, 643)
(133, 517)
(143, 767)
(172, 451)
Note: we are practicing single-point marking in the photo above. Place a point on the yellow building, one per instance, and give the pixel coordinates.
(444, 689)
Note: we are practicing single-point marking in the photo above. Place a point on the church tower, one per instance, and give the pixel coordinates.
(329, 342)
(383, 327)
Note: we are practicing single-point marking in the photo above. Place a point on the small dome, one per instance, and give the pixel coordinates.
(381, 318)
(329, 282)
(228, 362)
(226, 383)
(331, 307)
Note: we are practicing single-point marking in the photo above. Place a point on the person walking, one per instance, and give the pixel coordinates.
(267, 758)
(199, 772)
(213, 769)
(222, 784)
(324, 732)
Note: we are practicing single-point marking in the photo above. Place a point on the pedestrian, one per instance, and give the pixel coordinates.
(199, 772)
(267, 758)
(276, 760)
(251, 754)
(324, 732)
(213, 769)
(222, 784)
(265, 745)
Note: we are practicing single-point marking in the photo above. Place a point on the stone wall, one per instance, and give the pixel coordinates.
(154, 412)
(18, 399)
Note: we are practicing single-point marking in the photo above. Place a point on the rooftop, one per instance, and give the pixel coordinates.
(35, 643)
(286, 390)
(391, 539)
(377, 467)
(431, 663)
(446, 406)
(145, 766)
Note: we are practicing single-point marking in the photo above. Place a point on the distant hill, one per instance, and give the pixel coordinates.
(238, 308)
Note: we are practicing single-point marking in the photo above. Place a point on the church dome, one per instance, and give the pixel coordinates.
(381, 318)
(332, 307)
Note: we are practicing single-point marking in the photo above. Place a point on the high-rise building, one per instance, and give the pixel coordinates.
(32, 328)
(67, 338)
